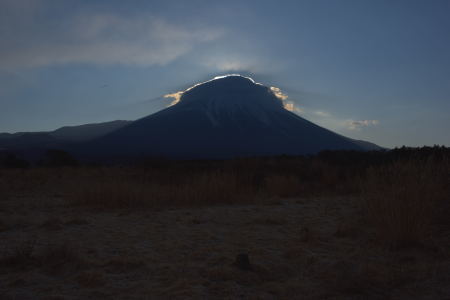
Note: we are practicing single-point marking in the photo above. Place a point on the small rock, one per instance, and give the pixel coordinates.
(305, 234)
(242, 262)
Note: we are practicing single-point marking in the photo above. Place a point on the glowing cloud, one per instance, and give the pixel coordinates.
(277, 92)
(175, 96)
(288, 105)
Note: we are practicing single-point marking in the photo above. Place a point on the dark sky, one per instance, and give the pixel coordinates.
(374, 70)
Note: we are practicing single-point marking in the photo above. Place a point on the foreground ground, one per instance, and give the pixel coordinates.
(299, 248)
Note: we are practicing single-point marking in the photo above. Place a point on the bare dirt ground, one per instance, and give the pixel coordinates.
(312, 248)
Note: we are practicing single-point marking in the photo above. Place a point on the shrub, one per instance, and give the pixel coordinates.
(58, 158)
(11, 161)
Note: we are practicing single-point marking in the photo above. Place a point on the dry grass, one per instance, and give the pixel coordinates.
(91, 279)
(242, 181)
(123, 264)
(3, 187)
(269, 221)
(52, 223)
(132, 244)
(20, 256)
(402, 199)
(52, 258)
(177, 183)
(283, 185)
(190, 253)
(55, 256)
(119, 192)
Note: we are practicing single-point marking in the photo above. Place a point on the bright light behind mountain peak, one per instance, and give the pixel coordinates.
(276, 91)
(177, 95)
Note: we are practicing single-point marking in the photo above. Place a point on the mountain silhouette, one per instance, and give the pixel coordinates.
(59, 138)
(227, 117)
(87, 132)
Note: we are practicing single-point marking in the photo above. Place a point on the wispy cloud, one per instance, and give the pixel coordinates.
(322, 113)
(227, 58)
(331, 121)
(357, 125)
(229, 63)
(95, 38)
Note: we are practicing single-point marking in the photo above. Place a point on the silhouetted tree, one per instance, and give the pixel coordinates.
(10, 160)
(58, 158)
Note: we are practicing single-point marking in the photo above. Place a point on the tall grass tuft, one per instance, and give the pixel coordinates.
(402, 199)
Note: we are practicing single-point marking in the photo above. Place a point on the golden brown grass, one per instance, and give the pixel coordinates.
(283, 185)
(177, 183)
(118, 191)
(393, 193)
(402, 199)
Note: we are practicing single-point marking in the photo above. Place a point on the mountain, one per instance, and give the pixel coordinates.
(88, 131)
(26, 140)
(223, 118)
(58, 138)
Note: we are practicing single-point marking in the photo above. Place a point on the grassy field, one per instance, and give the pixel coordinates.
(322, 227)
